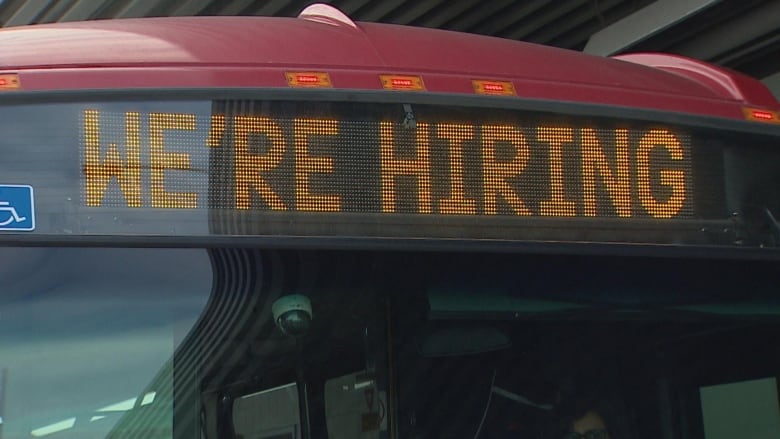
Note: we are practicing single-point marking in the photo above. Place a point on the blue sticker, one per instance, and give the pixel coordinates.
(17, 208)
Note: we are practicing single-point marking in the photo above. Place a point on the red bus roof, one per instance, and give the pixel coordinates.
(206, 52)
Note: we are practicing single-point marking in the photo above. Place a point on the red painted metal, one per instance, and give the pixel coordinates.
(204, 52)
(725, 82)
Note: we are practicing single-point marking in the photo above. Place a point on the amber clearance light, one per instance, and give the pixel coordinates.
(9, 81)
(308, 79)
(402, 82)
(486, 87)
(760, 115)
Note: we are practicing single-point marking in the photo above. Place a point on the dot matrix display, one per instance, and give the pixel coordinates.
(329, 160)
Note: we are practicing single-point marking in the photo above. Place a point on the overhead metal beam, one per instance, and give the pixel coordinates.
(350, 6)
(603, 12)
(377, 11)
(416, 10)
(474, 16)
(454, 8)
(547, 17)
(28, 12)
(138, 8)
(505, 20)
(56, 11)
(271, 7)
(714, 42)
(235, 7)
(569, 22)
(82, 10)
(8, 8)
(643, 24)
(773, 84)
(192, 7)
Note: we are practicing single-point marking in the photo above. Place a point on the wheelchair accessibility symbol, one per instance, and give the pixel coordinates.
(5, 206)
(17, 208)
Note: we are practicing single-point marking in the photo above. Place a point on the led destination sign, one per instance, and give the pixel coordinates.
(342, 163)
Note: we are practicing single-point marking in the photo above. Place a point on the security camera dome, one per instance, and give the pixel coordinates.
(293, 314)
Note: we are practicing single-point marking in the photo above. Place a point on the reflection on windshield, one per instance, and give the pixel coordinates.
(85, 332)
(120, 343)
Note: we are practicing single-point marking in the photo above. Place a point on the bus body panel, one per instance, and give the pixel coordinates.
(256, 52)
(167, 77)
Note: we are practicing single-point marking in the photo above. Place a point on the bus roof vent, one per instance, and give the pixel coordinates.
(327, 14)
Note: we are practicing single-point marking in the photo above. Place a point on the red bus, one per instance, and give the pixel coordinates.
(235, 227)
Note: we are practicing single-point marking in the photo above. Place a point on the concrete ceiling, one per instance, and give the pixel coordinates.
(743, 35)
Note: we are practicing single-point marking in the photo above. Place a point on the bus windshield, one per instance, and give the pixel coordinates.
(177, 343)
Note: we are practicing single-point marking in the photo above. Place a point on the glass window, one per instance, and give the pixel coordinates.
(88, 335)
(491, 346)
(162, 343)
